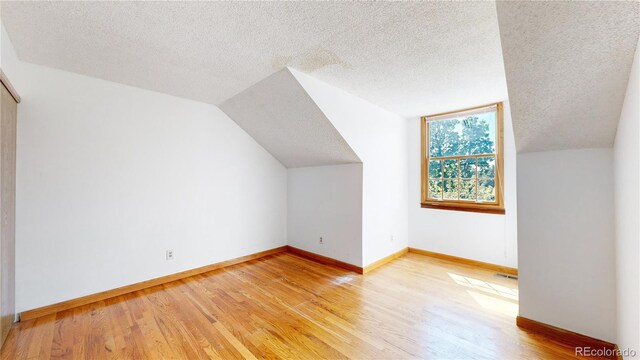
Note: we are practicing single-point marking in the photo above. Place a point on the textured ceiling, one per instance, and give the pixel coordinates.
(567, 63)
(411, 58)
(567, 67)
(282, 117)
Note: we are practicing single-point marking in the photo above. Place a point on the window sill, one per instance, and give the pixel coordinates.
(487, 209)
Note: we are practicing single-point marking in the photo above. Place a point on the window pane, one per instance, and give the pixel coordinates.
(478, 134)
(435, 169)
(465, 135)
(468, 168)
(486, 190)
(467, 189)
(444, 137)
(487, 167)
(435, 189)
(451, 169)
(451, 189)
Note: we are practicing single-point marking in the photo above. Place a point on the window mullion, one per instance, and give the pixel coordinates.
(442, 191)
(477, 182)
(459, 181)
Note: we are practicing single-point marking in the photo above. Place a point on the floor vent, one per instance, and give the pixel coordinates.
(512, 277)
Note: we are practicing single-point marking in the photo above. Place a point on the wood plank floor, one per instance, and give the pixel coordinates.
(283, 306)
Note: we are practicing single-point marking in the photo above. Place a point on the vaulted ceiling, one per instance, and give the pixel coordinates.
(408, 57)
(279, 114)
(567, 63)
(567, 66)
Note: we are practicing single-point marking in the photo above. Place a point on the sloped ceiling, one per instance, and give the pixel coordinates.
(282, 117)
(567, 63)
(411, 58)
(567, 67)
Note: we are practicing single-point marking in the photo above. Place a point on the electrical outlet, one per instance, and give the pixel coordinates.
(169, 254)
(391, 238)
(321, 241)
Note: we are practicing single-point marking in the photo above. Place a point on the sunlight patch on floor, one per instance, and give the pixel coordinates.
(495, 304)
(342, 279)
(495, 289)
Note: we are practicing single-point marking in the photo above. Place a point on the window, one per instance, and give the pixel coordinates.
(462, 164)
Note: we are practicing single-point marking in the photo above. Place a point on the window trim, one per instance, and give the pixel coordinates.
(496, 207)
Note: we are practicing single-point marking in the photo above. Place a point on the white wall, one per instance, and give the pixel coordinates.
(484, 237)
(3, 36)
(110, 176)
(379, 139)
(326, 201)
(626, 160)
(8, 58)
(566, 240)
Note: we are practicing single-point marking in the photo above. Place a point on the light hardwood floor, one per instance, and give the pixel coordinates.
(283, 306)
